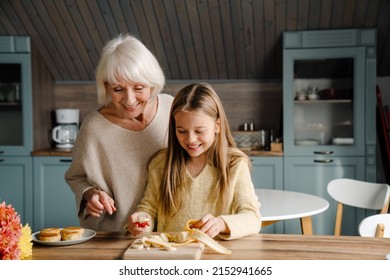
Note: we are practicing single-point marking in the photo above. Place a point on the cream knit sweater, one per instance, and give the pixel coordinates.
(114, 160)
(241, 212)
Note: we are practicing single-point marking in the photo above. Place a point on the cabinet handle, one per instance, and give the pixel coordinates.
(323, 152)
(323, 160)
(1, 152)
(2, 160)
(65, 160)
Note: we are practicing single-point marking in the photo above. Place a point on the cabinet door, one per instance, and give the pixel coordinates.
(54, 202)
(267, 173)
(333, 121)
(15, 104)
(16, 185)
(312, 175)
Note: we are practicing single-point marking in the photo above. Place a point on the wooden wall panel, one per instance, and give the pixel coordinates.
(76, 96)
(43, 100)
(243, 100)
(192, 39)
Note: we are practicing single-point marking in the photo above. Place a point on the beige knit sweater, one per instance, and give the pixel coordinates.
(114, 160)
(241, 212)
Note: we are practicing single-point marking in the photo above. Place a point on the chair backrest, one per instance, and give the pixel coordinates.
(375, 226)
(361, 194)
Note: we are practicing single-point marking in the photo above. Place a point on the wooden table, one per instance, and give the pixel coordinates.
(111, 246)
(279, 205)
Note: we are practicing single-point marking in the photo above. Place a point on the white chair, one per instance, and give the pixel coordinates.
(375, 226)
(360, 194)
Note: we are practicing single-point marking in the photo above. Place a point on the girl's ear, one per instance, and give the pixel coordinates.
(218, 125)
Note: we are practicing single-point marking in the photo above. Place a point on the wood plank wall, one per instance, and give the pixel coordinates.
(43, 100)
(244, 100)
(192, 39)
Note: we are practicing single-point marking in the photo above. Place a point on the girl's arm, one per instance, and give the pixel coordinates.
(246, 206)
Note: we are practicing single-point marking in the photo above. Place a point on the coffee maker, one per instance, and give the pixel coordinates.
(64, 134)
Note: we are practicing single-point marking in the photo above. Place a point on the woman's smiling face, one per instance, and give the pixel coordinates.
(129, 98)
(195, 132)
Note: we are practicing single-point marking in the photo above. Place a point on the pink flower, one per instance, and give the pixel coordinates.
(10, 233)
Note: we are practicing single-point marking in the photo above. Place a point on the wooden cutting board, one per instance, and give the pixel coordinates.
(191, 251)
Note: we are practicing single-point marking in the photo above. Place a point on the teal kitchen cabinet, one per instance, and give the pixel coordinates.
(16, 142)
(329, 117)
(16, 185)
(15, 96)
(267, 173)
(54, 202)
(308, 175)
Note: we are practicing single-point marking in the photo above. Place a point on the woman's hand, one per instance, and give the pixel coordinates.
(138, 223)
(211, 225)
(98, 202)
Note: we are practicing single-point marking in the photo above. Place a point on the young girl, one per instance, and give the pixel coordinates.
(201, 175)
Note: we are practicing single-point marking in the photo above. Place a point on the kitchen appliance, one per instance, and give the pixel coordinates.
(64, 134)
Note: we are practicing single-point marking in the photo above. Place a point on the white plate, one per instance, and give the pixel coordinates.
(88, 234)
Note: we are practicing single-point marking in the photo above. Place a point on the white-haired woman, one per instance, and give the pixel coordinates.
(114, 144)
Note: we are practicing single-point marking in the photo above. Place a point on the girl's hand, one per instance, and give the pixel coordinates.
(138, 223)
(211, 225)
(98, 202)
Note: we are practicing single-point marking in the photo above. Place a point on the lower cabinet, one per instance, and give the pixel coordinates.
(54, 202)
(267, 173)
(16, 185)
(36, 188)
(310, 175)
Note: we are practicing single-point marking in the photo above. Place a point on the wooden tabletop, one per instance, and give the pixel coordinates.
(111, 246)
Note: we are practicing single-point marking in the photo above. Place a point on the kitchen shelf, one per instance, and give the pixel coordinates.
(10, 104)
(323, 101)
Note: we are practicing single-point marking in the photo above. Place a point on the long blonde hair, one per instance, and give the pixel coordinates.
(222, 154)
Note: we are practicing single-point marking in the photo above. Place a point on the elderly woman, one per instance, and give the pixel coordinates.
(112, 149)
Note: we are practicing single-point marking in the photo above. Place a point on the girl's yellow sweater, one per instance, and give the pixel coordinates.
(241, 212)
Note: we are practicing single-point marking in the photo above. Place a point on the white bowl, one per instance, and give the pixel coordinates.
(307, 142)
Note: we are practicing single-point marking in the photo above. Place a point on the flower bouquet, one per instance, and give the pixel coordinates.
(15, 239)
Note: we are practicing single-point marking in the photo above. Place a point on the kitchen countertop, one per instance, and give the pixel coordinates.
(68, 152)
(53, 152)
(260, 153)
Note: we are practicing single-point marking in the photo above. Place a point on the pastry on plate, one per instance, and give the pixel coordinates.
(72, 233)
(50, 234)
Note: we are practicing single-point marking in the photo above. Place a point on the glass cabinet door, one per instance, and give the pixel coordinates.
(324, 108)
(15, 104)
(10, 103)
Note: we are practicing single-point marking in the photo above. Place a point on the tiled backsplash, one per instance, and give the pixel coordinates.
(247, 139)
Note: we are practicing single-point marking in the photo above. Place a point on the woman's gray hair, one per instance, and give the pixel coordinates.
(127, 58)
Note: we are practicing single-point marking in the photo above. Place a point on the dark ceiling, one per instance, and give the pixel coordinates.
(193, 39)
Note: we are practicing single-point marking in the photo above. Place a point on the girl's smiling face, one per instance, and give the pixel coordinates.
(195, 132)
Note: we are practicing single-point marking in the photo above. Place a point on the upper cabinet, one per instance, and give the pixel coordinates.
(15, 96)
(329, 79)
